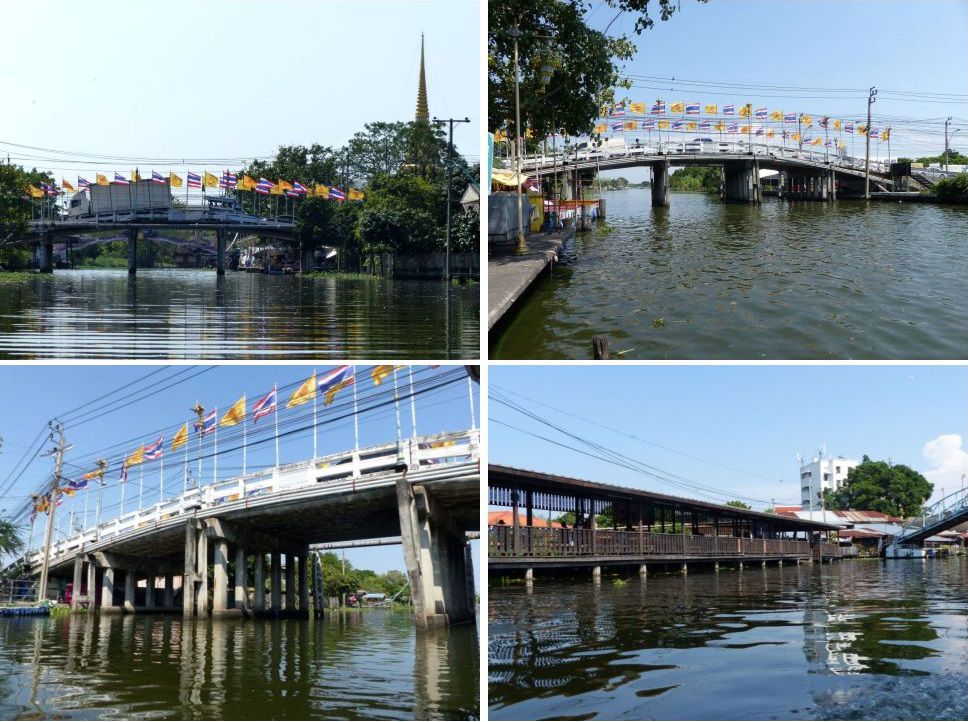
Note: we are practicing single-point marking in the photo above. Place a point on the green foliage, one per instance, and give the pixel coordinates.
(953, 189)
(11, 540)
(737, 504)
(341, 579)
(876, 485)
(567, 69)
(695, 178)
(954, 157)
(16, 208)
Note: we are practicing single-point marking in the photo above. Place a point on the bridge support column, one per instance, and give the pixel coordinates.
(220, 251)
(685, 568)
(129, 582)
(201, 592)
(303, 585)
(169, 599)
(150, 591)
(307, 258)
(596, 574)
(132, 251)
(833, 184)
(660, 184)
(741, 566)
(189, 575)
(276, 582)
(259, 582)
(716, 567)
(433, 551)
(290, 583)
(91, 584)
(78, 574)
(643, 571)
(107, 592)
(45, 253)
(742, 183)
(241, 582)
(529, 576)
(220, 578)
(781, 180)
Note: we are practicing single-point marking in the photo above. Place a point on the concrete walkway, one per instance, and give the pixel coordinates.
(509, 276)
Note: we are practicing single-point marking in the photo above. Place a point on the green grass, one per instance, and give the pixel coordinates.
(17, 276)
(343, 275)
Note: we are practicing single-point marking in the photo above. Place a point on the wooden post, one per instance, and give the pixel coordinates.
(600, 348)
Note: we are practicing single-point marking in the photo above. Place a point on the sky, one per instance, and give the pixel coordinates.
(115, 415)
(219, 79)
(826, 45)
(737, 429)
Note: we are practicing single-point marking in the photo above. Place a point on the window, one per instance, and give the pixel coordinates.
(826, 477)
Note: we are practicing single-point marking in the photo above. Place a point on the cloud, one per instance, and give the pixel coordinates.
(948, 460)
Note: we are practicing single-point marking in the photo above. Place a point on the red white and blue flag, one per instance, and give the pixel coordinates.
(336, 194)
(761, 113)
(208, 423)
(617, 111)
(194, 180)
(659, 107)
(264, 186)
(677, 125)
(849, 128)
(729, 110)
(789, 117)
(692, 108)
(83, 183)
(299, 188)
(824, 121)
(228, 180)
(120, 179)
(732, 128)
(339, 375)
(157, 177)
(155, 450)
(264, 406)
(706, 125)
(648, 124)
(615, 128)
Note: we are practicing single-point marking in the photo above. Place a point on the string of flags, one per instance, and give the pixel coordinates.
(227, 181)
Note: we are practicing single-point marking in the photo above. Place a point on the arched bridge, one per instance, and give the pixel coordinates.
(941, 516)
(424, 490)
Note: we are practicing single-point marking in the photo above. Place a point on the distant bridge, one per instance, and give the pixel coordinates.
(804, 175)
(941, 516)
(424, 493)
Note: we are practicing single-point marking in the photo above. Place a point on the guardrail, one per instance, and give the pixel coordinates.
(543, 542)
(343, 472)
(18, 591)
(950, 507)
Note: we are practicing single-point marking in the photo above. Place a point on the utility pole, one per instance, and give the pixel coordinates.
(867, 149)
(58, 428)
(522, 246)
(450, 170)
(947, 120)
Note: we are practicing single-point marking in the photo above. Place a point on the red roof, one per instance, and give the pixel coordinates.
(860, 534)
(495, 518)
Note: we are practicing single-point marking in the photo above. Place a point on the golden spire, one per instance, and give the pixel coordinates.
(423, 112)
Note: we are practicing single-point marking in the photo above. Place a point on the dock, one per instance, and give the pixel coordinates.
(510, 276)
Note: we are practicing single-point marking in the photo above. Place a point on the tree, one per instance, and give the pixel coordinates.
(897, 490)
(10, 539)
(737, 504)
(567, 69)
(379, 149)
(16, 209)
(953, 189)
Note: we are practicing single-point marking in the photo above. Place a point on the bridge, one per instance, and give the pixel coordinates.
(803, 174)
(647, 529)
(944, 514)
(422, 492)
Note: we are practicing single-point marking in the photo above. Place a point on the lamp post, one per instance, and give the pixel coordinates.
(522, 246)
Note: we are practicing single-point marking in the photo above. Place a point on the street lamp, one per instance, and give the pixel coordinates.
(521, 246)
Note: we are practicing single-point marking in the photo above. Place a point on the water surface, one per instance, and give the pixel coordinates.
(195, 314)
(701, 279)
(853, 640)
(362, 665)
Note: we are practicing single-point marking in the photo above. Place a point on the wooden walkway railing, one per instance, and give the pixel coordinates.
(548, 543)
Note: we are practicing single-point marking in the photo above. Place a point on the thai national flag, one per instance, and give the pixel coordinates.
(155, 450)
(228, 180)
(293, 193)
(336, 194)
(706, 125)
(264, 186)
(617, 111)
(759, 130)
(264, 406)
(829, 144)
(659, 107)
(648, 124)
(120, 179)
(729, 110)
(732, 128)
(615, 128)
(194, 180)
(157, 177)
(83, 183)
(333, 381)
(761, 113)
(208, 423)
(692, 108)
(849, 128)
(824, 121)
(789, 117)
(299, 188)
(677, 125)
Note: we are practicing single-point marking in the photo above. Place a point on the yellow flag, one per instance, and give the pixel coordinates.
(862, 130)
(528, 133)
(276, 191)
(776, 115)
(135, 177)
(678, 107)
(720, 126)
(745, 111)
(66, 186)
(321, 191)
(817, 141)
(176, 181)
(795, 137)
(381, 372)
(284, 185)
(806, 120)
(691, 126)
(710, 109)
(744, 129)
(601, 128)
(97, 473)
(235, 414)
(770, 133)
(304, 393)
(841, 145)
(181, 438)
(837, 125)
(886, 135)
(138, 457)
(247, 183)
(101, 179)
(35, 192)
(209, 181)
(355, 195)
(638, 108)
(500, 136)
(630, 124)
(663, 124)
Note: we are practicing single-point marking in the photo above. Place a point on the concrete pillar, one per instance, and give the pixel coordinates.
(741, 566)
(258, 582)
(529, 576)
(169, 591)
(763, 563)
(833, 184)
(220, 251)
(685, 568)
(78, 574)
(469, 577)
(757, 194)
(740, 184)
(45, 253)
(643, 571)
(660, 184)
(129, 580)
(201, 593)
(107, 590)
(241, 582)
(596, 574)
(779, 562)
(189, 574)
(307, 258)
(220, 577)
(302, 586)
(290, 582)
(132, 251)
(716, 567)
(91, 582)
(150, 592)
(276, 582)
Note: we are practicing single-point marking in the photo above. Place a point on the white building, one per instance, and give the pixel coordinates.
(820, 474)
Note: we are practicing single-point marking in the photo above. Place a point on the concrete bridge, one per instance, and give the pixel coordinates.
(803, 175)
(425, 492)
(648, 529)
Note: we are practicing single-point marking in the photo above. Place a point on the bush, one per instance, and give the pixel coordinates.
(953, 189)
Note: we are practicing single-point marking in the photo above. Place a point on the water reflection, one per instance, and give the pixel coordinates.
(371, 665)
(192, 314)
(792, 642)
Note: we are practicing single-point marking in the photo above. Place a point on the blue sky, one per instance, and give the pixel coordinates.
(34, 394)
(217, 79)
(829, 45)
(755, 419)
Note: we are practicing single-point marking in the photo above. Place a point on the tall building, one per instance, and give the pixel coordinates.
(423, 110)
(819, 474)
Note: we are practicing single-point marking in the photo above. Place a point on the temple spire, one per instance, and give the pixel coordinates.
(423, 111)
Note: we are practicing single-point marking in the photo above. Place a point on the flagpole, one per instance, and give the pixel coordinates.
(314, 415)
(470, 396)
(275, 392)
(201, 429)
(413, 404)
(185, 476)
(87, 491)
(161, 483)
(243, 439)
(215, 457)
(396, 403)
(123, 485)
(141, 485)
(356, 417)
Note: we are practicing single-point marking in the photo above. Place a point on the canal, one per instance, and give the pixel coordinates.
(864, 639)
(370, 664)
(194, 314)
(704, 280)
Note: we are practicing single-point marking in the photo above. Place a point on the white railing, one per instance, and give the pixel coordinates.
(949, 507)
(343, 472)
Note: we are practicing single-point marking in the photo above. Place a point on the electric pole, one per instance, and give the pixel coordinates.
(867, 152)
(947, 120)
(450, 170)
(58, 428)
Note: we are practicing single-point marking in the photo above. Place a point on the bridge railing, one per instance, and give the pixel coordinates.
(951, 507)
(546, 542)
(343, 471)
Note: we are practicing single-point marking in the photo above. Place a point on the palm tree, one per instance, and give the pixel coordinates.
(10, 539)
